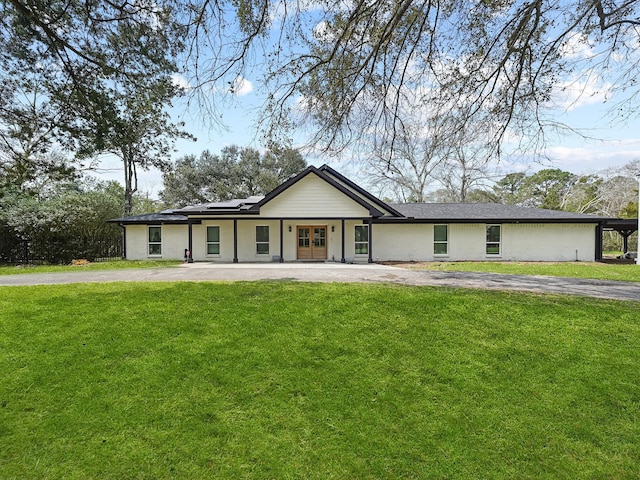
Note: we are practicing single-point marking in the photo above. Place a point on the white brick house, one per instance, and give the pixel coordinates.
(321, 215)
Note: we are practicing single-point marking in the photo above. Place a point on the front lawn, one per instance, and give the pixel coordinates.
(278, 380)
(111, 265)
(595, 270)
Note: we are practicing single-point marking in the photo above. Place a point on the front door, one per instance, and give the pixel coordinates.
(312, 242)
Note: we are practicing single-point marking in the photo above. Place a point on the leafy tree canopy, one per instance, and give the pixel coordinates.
(630, 210)
(608, 193)
(98, 76)
(234, 173)
(29, 160)
(75, 49)
(546, 188)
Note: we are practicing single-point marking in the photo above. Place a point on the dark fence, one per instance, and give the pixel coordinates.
(57, 250)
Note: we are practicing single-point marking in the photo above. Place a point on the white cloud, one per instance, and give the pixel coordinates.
(588, 89)
(577, 47)
(241, 87)
(323, 32)
(596, 156)
(180, 81)
(284, 10)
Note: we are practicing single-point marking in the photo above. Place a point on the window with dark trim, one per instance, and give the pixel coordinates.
(213, 240)
(493, 239)
(262, 239)
(441, 239)
(155, 241)
(362, 239)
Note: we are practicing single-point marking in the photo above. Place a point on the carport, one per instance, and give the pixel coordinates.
(624, 226)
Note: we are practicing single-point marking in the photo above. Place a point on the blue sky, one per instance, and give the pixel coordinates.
(584, 102)
(613, 142)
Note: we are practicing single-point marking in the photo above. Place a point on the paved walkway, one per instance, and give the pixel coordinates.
(337, 272)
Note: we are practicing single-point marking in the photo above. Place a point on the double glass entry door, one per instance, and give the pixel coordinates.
(312, 242)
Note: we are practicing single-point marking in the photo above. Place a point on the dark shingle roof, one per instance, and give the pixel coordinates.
(480, 212)
(151, 218)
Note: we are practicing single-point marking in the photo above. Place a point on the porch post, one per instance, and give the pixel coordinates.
(124, 241)
(625, 234)
(599, 242)
(342, 260)
(190, 242)
(370, 260)
(235, 240)
(281, 240)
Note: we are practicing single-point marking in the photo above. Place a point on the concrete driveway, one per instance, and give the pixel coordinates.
(337, 272)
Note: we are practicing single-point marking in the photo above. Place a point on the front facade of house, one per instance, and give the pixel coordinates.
(320, 215)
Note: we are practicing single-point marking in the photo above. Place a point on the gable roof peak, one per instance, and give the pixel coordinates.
(370, 203)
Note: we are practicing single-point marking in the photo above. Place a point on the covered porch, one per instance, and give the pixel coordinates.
(286, 239)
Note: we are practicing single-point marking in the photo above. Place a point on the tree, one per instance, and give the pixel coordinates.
(28, 157)
(607, 193)
(431, 151)
(35, 173)
(509, 189)
(630, 210)
(584, 195)
(193, 180)
(68, 220)
(349, 69)
(618, 190)
(88, 209)
(74, 48)
(548, 188)
(481, 195)
(346, 68)
(104, 71)
(467, 167)
(408, 172)
(618, 197)
(234, 173)
(135, 127)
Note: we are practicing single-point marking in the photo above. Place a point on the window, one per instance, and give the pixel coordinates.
(320, 237)
(362, 239)
(493, 240)
(262, 240)
(155, 241)
(440, 239)
(213, 240)
(304, 234)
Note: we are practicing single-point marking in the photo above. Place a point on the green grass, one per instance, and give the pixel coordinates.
(111, 265)
(599, 271)
(281, 380)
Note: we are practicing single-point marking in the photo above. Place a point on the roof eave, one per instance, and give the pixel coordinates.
(361, 190)
(489, 220)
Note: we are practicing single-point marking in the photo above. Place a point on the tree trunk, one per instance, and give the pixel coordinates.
(130, 180)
